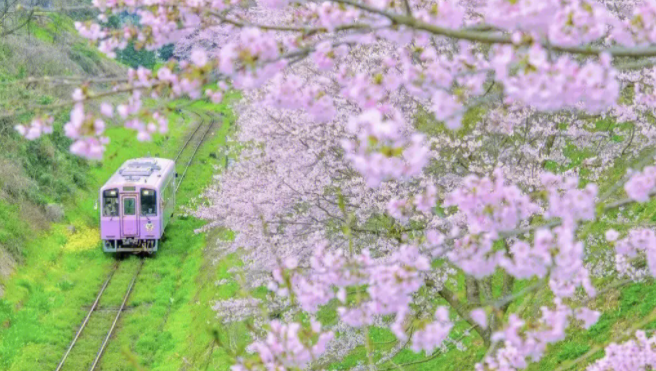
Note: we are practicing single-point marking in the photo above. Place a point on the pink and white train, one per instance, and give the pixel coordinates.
(137, 203)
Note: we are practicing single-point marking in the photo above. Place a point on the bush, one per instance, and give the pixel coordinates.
(135, 58)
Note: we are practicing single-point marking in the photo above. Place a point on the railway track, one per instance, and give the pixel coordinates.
(86, 319)
(118, 315)
(186, 143)
(96, 320)
(199, 143)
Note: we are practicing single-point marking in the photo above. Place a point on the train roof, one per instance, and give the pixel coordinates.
(148, 172)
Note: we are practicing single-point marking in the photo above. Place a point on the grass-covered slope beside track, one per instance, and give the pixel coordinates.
(39, 173)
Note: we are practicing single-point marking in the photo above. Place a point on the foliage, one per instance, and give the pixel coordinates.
(136, 58)
(166, 52)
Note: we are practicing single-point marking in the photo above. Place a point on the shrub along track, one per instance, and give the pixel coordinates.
(77, 357)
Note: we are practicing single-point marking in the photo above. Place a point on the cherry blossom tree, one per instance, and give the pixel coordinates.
(388, 150)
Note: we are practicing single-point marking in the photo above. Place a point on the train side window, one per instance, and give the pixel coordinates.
(110, 202)
(148, 202)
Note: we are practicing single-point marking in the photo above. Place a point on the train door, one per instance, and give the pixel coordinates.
(129, 216)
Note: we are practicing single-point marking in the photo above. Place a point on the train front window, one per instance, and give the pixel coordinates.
(148, 202)
(110, 202)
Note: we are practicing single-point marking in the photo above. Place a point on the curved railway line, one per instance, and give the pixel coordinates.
(186, 143)
(193, 154)
(198, 137)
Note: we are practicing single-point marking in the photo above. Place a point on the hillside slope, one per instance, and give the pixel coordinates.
(39, 176)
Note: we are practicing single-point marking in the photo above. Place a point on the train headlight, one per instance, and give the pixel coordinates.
(149, 226)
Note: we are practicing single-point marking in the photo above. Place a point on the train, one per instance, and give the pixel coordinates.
(136, 205)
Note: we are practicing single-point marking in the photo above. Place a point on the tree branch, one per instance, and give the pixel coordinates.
(462, 311)
(495, 38)
(12, 30)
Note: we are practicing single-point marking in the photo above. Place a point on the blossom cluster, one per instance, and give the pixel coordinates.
(36, 128)
(638, 354)
(381, 152)
(641, 184)
(284, 348)
(523, 344)
(490, 205)
(638, 241)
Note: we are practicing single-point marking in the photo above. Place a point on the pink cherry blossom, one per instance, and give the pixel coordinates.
(641, 184)
(198, 57)
(479, 316)
(434, 333)
(107, 109)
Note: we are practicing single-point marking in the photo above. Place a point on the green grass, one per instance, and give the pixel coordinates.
(48, 31)
(12, 229)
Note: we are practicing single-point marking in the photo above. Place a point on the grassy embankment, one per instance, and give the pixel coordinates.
(40, 172)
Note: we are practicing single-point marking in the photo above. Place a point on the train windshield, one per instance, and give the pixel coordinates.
(148, 202)
(110, 202)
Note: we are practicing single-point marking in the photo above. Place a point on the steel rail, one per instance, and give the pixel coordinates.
(118, 315)
(189, 139)
(193, 155)
(86, 319)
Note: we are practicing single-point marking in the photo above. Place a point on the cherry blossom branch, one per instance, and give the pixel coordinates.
(500, 303)
(68, 103)
(462, 311)
(555, 222)
(643, 162)
(304, 30)
(624, 202)
(489, 38)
